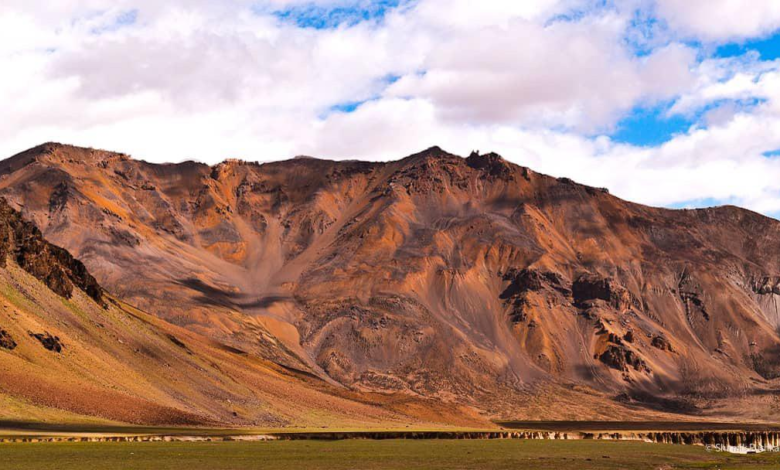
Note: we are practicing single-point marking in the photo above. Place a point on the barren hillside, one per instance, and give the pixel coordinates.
(464, 281)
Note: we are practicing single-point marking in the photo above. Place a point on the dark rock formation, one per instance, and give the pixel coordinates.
(661, 343)
(177, 341)
(51, 343)
(491, 164)
(6, 341)
(767, 285)
(533, 280)
(621, 358)
(54, 266)
(590, 287)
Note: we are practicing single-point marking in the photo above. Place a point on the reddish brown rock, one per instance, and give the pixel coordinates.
(621, 358)
(661, 343)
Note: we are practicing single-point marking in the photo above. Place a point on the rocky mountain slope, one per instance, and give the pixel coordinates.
(466, 281)
(69, 352)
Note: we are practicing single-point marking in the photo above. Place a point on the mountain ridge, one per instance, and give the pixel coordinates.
(47, 148)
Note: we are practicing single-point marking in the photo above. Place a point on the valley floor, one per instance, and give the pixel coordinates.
(373, 455)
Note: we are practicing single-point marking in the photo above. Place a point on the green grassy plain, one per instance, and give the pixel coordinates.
(373, 455)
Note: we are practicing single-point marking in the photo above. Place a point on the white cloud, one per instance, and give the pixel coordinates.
(208, 80)
(462, 14)
(734, 79)
(721, 20)
(576, 76)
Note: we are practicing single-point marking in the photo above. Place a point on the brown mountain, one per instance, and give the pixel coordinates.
(469, 282)
(69, 352)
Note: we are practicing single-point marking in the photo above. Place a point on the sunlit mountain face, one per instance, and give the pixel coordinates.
(448, 288)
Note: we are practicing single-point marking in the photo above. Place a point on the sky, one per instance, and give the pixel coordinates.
(665, 102)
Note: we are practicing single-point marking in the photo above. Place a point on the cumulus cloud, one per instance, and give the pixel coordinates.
(721, 20)
(537, 81)
(572, 75)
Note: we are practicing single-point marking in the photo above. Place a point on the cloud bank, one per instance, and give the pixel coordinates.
(567, 87)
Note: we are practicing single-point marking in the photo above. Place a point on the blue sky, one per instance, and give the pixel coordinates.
(649, 126)
(767, 47)
(312, 15)
(654, 125)
(665, 102)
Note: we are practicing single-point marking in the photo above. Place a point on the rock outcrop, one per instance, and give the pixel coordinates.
(621, 358)
(49, 342)
(6, 341)
(22, 242)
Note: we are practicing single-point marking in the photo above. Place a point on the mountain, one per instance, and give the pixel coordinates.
(70, 352)
(469, 282)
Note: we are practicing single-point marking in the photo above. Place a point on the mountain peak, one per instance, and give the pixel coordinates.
(434, 152)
